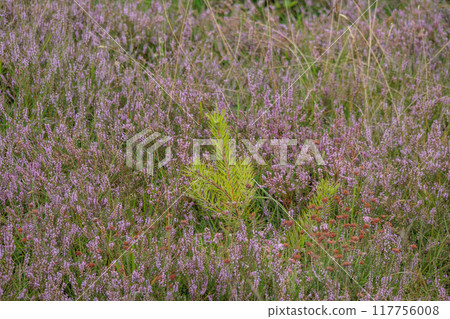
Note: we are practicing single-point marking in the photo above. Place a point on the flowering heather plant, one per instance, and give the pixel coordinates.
(368, 250)
(367, 82)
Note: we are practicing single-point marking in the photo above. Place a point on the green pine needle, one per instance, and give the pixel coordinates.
(225, 187)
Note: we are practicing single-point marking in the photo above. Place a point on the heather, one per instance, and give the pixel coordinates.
(77, 224)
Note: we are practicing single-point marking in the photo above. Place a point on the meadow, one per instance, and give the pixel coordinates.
(366, 81)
